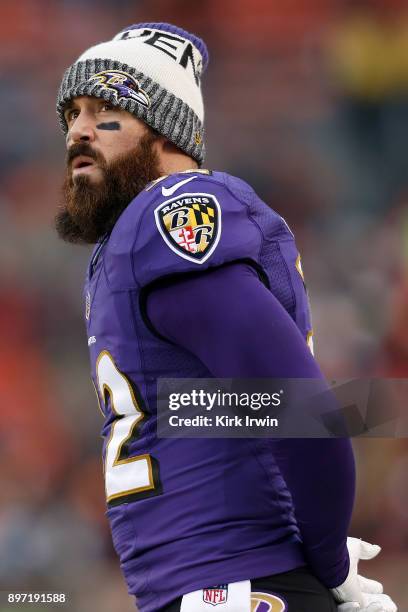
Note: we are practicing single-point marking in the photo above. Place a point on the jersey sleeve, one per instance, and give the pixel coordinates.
(218, 317)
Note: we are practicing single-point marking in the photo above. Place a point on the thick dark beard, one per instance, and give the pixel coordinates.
(90, 210)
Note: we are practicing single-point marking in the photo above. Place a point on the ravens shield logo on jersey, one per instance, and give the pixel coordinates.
(190, 225)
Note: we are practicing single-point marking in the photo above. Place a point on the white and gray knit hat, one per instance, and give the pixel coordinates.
(152, 70)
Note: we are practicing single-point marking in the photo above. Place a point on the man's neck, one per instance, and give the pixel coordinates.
(177, 162)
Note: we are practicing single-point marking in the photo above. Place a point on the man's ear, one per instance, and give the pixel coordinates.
(159, 143)
(168, 146)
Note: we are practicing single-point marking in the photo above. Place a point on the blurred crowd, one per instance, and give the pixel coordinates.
(307, 100)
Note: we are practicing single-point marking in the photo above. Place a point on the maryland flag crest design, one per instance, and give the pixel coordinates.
(190, 224)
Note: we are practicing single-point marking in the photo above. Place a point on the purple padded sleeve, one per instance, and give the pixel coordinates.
(237, 328)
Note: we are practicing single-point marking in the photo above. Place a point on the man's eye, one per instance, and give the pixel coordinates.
(71, 115)
(107, 106)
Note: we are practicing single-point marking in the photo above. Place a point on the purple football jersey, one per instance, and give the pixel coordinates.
(190, 513)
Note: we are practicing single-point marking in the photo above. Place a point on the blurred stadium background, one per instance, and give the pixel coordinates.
(305, 99)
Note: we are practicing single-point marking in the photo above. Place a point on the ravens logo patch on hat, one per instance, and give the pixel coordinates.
(122, 84)
(190, 225)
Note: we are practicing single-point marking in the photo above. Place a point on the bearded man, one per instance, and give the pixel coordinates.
(194, 276)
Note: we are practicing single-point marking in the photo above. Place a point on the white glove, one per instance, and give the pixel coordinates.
(357, 592)
(352, 606)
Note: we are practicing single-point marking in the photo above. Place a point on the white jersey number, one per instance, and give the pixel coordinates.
(126, 478)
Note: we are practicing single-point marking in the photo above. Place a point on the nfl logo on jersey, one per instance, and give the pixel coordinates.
(216, 595)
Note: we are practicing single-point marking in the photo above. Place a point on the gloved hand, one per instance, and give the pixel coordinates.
(357, 592)
(353, 606)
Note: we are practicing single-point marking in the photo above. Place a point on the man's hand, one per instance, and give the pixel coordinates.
(357, 592)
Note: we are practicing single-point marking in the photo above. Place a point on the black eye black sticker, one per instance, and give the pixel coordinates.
(111, 125)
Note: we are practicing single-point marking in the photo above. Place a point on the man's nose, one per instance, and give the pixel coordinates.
(82, 130)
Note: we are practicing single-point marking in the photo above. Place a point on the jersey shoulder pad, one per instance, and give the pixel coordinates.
(195, 221)
(187, 222)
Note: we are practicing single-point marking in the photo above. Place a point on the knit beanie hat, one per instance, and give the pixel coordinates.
(152, 70)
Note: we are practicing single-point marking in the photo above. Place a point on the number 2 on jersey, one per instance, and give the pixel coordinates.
(126, 478)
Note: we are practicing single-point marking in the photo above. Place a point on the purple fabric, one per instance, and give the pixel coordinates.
(198, 514)
(234, 324)
(237, 328)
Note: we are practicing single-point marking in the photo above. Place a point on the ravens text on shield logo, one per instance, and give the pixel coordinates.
(190, 225)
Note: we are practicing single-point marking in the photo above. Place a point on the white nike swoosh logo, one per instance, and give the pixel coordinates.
(168, 192)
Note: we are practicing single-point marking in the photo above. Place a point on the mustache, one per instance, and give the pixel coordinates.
(82, 148)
